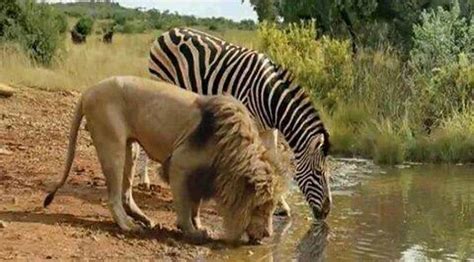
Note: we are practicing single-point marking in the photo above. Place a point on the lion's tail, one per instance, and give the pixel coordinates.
(75, 124)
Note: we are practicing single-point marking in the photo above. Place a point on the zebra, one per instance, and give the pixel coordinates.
(207, 65)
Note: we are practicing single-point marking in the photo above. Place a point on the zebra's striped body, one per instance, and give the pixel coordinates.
(207, 65)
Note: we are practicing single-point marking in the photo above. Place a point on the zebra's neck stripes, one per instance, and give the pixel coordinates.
(207, 65)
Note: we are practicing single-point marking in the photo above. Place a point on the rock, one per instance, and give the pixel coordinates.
(3, 224)
(6, 91)
(5, 152)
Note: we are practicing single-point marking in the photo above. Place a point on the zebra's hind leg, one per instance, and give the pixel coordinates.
(129, 204)
(142, 167)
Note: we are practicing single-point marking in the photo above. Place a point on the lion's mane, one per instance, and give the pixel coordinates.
(246, 178)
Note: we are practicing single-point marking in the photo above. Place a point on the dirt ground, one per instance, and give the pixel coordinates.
(34, 127)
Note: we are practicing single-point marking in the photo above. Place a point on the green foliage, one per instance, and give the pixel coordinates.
(326, 12)
(347, 124)
(84, 26)
(96, 10)
(369, 22)
(389, 146)
(36, 27)
(120, 18)
(128, 20)
(440, 38)
(267, 10)
(131, 27)
(247, 24)
(10, 12)
(323, 67)
(61, 20)
(375, 105)
(442, 58)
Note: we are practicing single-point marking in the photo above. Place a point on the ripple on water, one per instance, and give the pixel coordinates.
(411, 214)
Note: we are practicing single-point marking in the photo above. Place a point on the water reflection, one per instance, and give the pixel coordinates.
(312, 246)
(411, 214)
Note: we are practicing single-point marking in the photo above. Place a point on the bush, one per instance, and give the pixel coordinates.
(84, 26)
(440, 38)
(247, 24)
(119, 18)
(213, 27)
(10, 12)
(442, 59)
(36, 27)
(323, 67)
(376, 104)
(389, 146)
(132, 27)
(61, 20)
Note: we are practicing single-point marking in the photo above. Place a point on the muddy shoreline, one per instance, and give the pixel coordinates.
(34, 126)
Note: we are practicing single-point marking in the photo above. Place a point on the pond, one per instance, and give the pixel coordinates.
(408, 212)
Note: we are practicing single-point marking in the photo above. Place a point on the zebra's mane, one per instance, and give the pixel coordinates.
(284, 73)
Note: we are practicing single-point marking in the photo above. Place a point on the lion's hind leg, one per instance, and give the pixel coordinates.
(129, 204)
(110, 143)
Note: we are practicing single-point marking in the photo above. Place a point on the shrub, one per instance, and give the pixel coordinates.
(378, 105)
(10, 12)
(213, 27)
(440, 37)
(119, 18)
(61, 20)
(247, 24)
(442, 59)
(323, 67)
(84, 26)
(36, 27)
(389, 146)
(453, 141)
(347, 123)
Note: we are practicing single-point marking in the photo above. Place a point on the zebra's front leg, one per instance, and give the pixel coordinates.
(270, 140)
(141, 161)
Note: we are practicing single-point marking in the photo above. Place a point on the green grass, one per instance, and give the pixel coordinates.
(370, 104)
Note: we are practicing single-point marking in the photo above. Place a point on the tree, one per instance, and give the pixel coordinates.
(36, 27)
(267, 10)
(329, 13)
(84, 26)
(10, 12)
(358, 16)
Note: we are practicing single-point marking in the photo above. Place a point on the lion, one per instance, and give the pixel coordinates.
(209, 148)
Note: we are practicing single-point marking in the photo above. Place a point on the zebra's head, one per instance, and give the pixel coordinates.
(313, 178)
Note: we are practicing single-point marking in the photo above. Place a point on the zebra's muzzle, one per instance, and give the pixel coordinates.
(322, 213)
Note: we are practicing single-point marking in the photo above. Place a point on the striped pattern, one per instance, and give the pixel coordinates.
(208, 65)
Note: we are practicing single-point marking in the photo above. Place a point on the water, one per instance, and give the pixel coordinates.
(412, 213)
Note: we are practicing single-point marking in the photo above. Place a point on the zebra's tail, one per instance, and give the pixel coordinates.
(75, 124)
